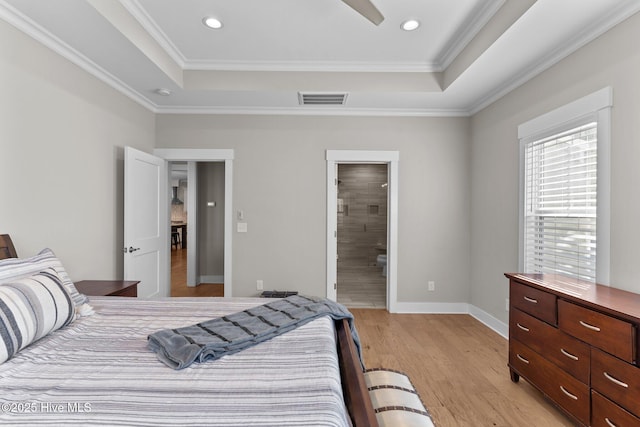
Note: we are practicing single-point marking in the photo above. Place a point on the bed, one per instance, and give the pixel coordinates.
(97, 369)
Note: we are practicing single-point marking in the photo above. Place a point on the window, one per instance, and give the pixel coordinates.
(560, 203)
(564, 192)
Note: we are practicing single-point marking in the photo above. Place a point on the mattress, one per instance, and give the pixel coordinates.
(99, 371)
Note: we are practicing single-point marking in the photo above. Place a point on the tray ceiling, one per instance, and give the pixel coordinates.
(465, 54)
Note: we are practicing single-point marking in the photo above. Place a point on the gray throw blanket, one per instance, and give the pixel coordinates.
(212, 339)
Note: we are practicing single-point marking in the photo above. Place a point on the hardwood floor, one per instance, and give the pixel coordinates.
(458, 365)
(179, 286)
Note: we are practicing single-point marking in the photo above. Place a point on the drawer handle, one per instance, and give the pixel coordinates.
(569, 355)
(535, 301)
(609, 423)
(522, 358)
(573, 396)
(588, 326)
(616, 381)
(524, 328)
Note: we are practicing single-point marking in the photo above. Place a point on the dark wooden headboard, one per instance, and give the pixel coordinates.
(7, 250)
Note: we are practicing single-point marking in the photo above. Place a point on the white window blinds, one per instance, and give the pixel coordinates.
(560, 203)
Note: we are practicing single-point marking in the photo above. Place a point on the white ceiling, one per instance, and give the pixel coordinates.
(465, 55)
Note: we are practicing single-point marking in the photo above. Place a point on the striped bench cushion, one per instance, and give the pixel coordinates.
(395, 400)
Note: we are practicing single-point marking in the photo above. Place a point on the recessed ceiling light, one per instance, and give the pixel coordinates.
(410, 25)
(212, 22)
(163, 91)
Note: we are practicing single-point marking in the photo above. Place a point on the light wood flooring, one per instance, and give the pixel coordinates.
(179, 286)
(458, 365)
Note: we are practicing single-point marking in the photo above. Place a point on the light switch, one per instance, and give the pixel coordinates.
(240, 214)
(242, 227)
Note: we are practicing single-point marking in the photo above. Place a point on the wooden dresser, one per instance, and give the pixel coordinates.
(577, 343)
(119, 288)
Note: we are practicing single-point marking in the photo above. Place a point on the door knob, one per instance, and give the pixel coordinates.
(132, 249)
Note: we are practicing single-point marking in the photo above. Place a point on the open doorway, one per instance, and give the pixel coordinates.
(179, 219)
(197, 228)
(362, 235)
(391, 160)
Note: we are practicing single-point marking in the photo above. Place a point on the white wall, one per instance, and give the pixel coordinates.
(611, 60)
(61, 157)
(280, 184)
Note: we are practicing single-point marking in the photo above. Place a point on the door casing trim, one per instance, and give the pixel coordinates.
(209, 155)
(391, 159)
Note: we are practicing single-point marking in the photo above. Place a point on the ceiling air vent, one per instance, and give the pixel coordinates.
(324, 98)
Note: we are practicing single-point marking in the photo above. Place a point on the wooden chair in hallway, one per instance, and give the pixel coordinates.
(175, 238)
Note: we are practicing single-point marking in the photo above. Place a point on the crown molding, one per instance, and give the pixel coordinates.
(468, 31)
(23, 23)
(140, 14)
(311, 66)
(616, 16)
(304, 111)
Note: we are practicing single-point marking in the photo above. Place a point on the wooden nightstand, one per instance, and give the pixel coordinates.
(120, 288)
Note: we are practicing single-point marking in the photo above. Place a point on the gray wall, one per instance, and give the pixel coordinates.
(280, 184)
(611, 60)
(62, 134)
(211, 219)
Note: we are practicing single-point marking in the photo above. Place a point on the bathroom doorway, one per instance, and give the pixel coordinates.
(362, 230)
(392, 160)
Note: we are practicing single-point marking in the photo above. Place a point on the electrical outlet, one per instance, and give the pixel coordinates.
(431, 285)
(259, 285)
(506, 307)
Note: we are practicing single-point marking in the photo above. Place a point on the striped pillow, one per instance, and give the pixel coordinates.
(30, 309)
(18, 268)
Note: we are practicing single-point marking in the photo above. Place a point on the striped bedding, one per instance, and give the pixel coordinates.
(99, 371)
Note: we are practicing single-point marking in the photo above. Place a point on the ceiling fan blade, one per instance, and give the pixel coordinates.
(366, 9)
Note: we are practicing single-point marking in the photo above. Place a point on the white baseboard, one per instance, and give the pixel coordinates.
(211, 279)
(432, 307)
(482, 316)
(491, 322)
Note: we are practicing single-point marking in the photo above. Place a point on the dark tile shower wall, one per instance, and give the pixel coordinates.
(362, 213)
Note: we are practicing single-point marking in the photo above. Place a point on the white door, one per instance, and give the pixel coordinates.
(146, 222)
(332, 231)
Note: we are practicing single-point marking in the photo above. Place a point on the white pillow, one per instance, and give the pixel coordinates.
(31, 308)
(18, 268)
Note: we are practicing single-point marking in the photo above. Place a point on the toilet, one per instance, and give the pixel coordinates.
(381, 261)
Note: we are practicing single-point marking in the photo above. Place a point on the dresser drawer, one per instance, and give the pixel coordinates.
(612, 335)
(131, 291)
(617, 380)
(535, 302)
(570, 354)
(605, 413)
(566, 391)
